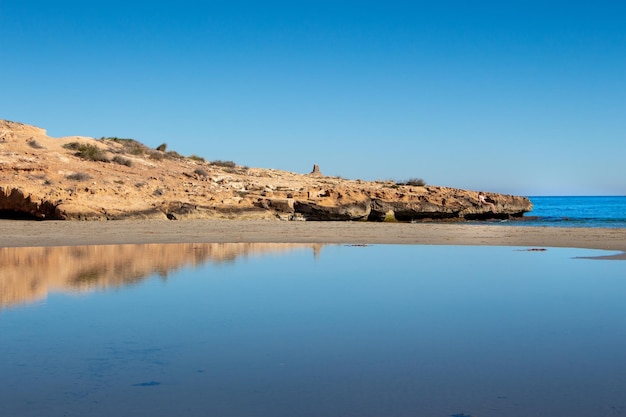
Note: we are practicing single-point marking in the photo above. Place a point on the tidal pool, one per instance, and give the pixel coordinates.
(311, 330)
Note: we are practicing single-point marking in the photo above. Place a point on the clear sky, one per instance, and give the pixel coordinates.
(519, 97)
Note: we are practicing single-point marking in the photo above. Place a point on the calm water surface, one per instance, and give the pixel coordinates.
(595, 211)
(313, 331)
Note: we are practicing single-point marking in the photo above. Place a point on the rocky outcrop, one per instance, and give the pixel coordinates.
(80, 178)
(13, 203)
(442, 203)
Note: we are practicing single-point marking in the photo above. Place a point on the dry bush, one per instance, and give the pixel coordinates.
(157, 156)
(87, 152)
(122, 161)
(416, 182)
(197, 158)
(35, 145)
(201, 172)
(223, 164)
(173, 155)
(79, 176)
(130, 146)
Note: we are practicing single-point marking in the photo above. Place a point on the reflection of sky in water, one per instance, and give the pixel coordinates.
(359, 331)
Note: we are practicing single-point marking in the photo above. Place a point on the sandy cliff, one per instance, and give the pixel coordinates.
(81, 178)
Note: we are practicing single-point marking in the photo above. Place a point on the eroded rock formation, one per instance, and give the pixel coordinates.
(80, 178)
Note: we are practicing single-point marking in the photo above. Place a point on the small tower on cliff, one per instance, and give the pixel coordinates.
(316, 171)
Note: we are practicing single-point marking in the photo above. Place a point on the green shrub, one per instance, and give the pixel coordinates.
(162, 147)
(87, 152)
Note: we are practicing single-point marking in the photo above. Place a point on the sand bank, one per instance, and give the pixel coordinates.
(15, 233)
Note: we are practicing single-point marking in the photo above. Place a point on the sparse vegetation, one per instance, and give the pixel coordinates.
(197, 158)
(173, 155)
(87, 151)
(130, 146)
(122, 161)
(201, 172)
(34, 144)
(416, 182)
(157, 156)
(79, 176)
(223, 164)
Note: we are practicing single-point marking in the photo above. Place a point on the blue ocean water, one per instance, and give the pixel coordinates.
(596, 211)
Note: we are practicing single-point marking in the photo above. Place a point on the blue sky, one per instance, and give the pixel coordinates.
(519, 97)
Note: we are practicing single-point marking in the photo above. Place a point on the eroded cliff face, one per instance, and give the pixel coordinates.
(80, 178)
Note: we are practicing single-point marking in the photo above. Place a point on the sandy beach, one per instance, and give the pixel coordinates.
(63, 233)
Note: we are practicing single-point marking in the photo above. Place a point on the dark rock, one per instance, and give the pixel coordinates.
(313, 211)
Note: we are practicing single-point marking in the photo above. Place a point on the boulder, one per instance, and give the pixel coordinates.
(310, 210)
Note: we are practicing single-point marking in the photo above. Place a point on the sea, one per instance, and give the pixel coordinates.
(580, 211)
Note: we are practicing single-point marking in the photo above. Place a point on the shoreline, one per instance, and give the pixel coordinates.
(22, 233)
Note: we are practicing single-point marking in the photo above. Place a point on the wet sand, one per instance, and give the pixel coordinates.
(15, 233)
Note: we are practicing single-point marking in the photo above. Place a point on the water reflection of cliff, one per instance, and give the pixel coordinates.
(28, 274)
